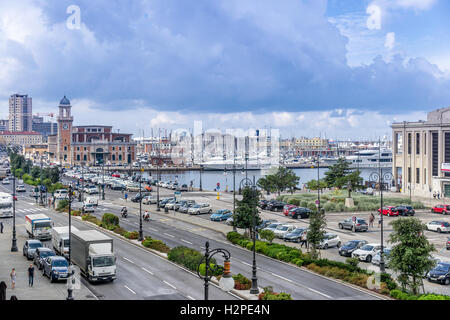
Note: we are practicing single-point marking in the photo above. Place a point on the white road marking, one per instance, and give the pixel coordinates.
(169, 284)
(190, 298)
(128, 260)
(169, 235)
(153, 229)
(130, 289)
(147, 271)
(186, 241)
(318, 292)
(276, 275)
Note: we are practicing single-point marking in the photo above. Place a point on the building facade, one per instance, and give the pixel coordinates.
(43, 127)
(421, 154)
(20, 138)
(20, 113)
(4, 125)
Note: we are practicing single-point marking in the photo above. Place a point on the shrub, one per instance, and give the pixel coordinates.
(119, 230)
(329, 206)
(217, 270)
(157, 245)
(269, 294)
(62, 204)
(76, 213)
(353, 262)
(390, 282)
(241, 282)
(295, 202)
(187, 257)
(312, 206)
(92, 219)
(303, 203)
(340, 207)
(268, 235)
(109, 219)
(234, 237)
(298, 262)
(132, 235)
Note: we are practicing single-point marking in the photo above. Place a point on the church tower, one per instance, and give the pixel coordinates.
(65, 120)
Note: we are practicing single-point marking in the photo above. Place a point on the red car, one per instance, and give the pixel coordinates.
(441, 208)
(388, 210)
(288, 207)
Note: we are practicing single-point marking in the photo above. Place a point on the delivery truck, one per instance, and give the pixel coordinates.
(92, 252)
(60, 239)
(38, 226)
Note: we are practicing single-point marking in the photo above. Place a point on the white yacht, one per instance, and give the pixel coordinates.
(371, 159)
(253, 163)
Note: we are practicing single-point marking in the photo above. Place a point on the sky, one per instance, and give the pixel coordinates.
(340, 69)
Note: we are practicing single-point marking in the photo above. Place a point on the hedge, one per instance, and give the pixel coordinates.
(110, 219)
(187, 257)
(269, 294)
(158, 245)
(400, 295)
(241, 282)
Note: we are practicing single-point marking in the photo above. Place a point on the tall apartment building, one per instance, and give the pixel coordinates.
(20, 113)
(4, 125)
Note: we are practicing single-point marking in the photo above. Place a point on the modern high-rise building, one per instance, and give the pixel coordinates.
(20, 113)
(44, 128)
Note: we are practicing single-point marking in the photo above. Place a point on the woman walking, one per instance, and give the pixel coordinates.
(13, 278)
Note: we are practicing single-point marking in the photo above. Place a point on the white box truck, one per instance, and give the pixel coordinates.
(38, 226)
(6, 205)
(92, 252)
(60, 239)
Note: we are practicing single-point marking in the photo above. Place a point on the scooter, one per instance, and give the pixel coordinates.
(124, 214)
(147, 218)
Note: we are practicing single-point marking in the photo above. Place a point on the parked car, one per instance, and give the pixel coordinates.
(229, 221)
(40, 254)
(88, 207)
(283, 229)
(138, 196)
(275, 206)
(299, 212)
(265, 223)
(347, 249)
(20, 188)
(117, 186)
(272, 226)
(377, 258)
(441, 208)
(295, 235)
(185, 208)
(30, 247)
(440, 273)
(221, 215)
(447, 246)
(330, 240)
(263, 203)
(288, 207)
(366, 252)
(163, 202)
(405, 210)
(354, 224)
(181, 203)
(56, 268)
(388, 210)
(91, 190)
(183, 187)
(171, 205)
(438, 226)
(149, 200)
(200, 208)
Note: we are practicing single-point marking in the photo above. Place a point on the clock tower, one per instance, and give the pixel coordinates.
(65, 120)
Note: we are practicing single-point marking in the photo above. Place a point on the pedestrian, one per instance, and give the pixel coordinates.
(30, 275)
(13, 297)
(434, 195)
(1, 226)
(371, 220)
(379, 220)
(3, 290)
(303, 240)
(13, 278)
(438, 195)
(126, 196)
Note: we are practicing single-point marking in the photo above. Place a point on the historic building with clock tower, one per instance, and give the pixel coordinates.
(64, 140)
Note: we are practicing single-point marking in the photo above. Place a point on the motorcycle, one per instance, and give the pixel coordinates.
(124, 213)
(147, 218)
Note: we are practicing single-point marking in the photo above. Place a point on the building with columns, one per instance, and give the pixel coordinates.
(88, 145)
(421, 154)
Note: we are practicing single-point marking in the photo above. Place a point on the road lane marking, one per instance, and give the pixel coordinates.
(147, 270)
(130, 289)
(281, 277)
(153, 229)
(128, 260)
(169, 235)
(169, 284)
(318, 292)
(186, 241)
(190, 298)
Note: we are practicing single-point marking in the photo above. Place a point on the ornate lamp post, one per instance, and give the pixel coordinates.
(14, 240)
(226, 282)
(141, 236)
(69, 287)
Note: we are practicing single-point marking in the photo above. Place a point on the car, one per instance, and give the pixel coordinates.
(5, 181)
(221, 215)
(138, 196)
(388, 210)
(377, 258)
(441, 208)
(288, 207)
(438, 226)
(366, 252)
(440, 273)
(272, 226)
(275, 206)
(447, 245)
(330, 240)
(116, 186)
(183, 187)
(134, 187)
(354, 224)
(229, 221)
(20, 188)
(88, 207)
(264, 223)
(171, 205)
(163, 202)
(40, 254)
(352, 245)
(405, 210)
(299, 212)
(185, 208)
(56, 268)
(295, 235)
(91, 189)
(148, 188)
(200, 208)
(283, 229)
(30, 247)
(149, 200)
(263, 203)
(181, 203)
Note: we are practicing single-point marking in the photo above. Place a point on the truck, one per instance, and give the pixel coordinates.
(91, 200)
(60, 239)
(38, 226)
(6, 204)
(92, 252)
(3, 173)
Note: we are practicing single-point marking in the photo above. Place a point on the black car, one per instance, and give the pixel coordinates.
(295, 235)
(263, 204)
(347, 249)
(265, 223)
(276, 206)
(404, 210)
(138, 196)
(300, 212)
(440, 273)
(163, 202)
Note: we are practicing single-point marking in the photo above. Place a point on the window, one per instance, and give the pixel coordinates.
(409, 174)
(65, 148)
(409, 143)
(425, 143)
(417, 143)
(78, 148)
(398, 144)
(114, 157)
(85, 157)
(78, 157)
(120, 157)
(417, 175)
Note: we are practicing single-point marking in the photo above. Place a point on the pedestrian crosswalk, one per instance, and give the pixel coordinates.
(28, 210)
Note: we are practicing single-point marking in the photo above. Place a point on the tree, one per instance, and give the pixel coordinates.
(265, 184)
(36, 172)
(312, 185)
(316, 232)
(268, 235)
(280, 180)
(336, 176)
(411, 256)
(246, 208)
(354, 181)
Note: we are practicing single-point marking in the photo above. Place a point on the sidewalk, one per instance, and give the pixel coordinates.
(42, 288)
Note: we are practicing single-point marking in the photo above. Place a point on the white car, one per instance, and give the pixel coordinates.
(88, 207)
(5, 181)
(273, 226)
(367, 252)
(330, 240)
(438, 226)
(91, 190)
(20, 188)
(200, 208)
(283, 229)
(148, 200)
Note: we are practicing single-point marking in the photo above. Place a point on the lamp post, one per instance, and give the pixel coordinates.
(234, 186)
(141, 237)
(103, 181)
(226, 282)
(157, 171)
(14, 240)
(40, 185)
(69, 287)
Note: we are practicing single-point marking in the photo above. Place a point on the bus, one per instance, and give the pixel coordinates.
(6, 204)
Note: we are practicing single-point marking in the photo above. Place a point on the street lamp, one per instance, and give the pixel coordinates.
(158, 174)
(69, 287)
(234, 186)
(226, 282)
(141, 236)
(14, 240)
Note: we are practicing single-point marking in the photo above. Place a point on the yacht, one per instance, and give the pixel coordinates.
(371, 159)
(254, 163)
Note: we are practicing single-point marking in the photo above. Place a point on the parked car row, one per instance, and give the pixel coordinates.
(402, 210)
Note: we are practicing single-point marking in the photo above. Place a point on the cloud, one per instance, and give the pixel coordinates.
(374, 19)
(390, 41)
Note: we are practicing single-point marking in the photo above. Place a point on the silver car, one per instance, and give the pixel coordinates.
(200, 208)
(30, 247)
(354, 224)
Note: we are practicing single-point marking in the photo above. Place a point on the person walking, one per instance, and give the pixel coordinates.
(379, 220)
(30, 275)
(434, 195)
(371, 220)
(438, 195)
(126, 196)
(13, 278)
(303, 240)
(1, 226)
(3, 290)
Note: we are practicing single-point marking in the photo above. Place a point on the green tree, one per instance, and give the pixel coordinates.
(268, 235)
(411, 256)
(282, 179)
(354, 181)
(336, 176)
(312, 184)
(316, 232)
(246, 208)
(36, 172)
(265, 184)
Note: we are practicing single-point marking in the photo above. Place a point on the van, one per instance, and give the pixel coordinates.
(61, 194)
